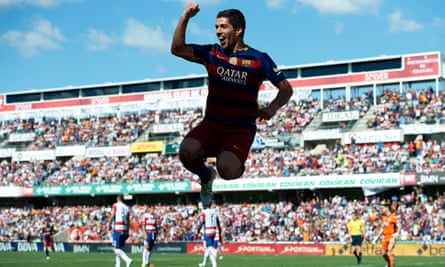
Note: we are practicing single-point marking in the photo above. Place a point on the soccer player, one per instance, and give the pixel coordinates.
(390, 230)
(356, 229)
(149, 224)
(119, 223)
(216, 245)
(235, 74)
(212, 229)
(47, 236)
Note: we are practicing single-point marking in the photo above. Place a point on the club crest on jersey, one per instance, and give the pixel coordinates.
(246, 62)
(232, 75)
(233, 60)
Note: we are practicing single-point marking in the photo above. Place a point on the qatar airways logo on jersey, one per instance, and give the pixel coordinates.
(232, 76)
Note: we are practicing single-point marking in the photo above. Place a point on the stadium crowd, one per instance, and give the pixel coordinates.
(412, 106)
(318, 220)
(417, 155)
(423, 218)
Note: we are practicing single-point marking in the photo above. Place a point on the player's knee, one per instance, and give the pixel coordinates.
(185, 152)
(229, 166)
(229, 171)
(190, 150)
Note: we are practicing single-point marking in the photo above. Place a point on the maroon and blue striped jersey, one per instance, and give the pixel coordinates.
(234, 83)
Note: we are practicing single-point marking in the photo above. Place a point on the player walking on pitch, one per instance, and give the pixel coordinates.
(212, 234)
(390, 230)
(48, 237)
(356, 229)
(119, 221)
(235, 74)
(149, 223)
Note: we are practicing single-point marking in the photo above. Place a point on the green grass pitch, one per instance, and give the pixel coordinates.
(34, 259)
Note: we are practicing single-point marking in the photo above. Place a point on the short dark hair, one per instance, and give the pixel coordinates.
(235, 17)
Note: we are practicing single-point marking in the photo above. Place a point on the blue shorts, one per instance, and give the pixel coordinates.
(216, 244)
(210, 241)
(151, 238)
(119, 239)
(357, 240)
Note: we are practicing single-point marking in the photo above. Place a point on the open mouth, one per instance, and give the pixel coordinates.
(222, 40)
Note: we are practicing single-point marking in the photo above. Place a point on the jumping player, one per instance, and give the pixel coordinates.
(235, 74)
(149, 224)
(119, 223)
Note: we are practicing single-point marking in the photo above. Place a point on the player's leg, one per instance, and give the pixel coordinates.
(145, 251)
(385, 245)
(212, 255)
(220, 252)
(198, 144)
(353, 249)
(114, 245)
(146, 260)
(359, 253)
(192, 156)
(118, 244)
(390, 252)
(206, 252)
(229, 166)
(151, 237)
(235, 149)
(45, 245)
(217, 249)
(359, 249)
(358, 240)
(144, 255)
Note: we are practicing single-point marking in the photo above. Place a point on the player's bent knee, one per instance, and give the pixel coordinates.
(229, 172)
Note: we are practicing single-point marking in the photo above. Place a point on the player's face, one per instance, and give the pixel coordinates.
(226, 34)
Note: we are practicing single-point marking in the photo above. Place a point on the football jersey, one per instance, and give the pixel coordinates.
(120, 221)
(47, 232)
(149, 222)
(356, 227)
(234, 83)
(389, 224)
(209, 218)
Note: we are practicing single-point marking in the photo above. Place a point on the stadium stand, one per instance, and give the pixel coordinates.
(347, 140)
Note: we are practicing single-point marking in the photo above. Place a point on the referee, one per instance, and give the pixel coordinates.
(356, 228)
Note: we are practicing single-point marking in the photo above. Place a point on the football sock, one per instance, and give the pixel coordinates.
(144, 257)
(391, 261)
(206, 254)
(118, 261)
(204, 174)
(148, 257)
(122, 254)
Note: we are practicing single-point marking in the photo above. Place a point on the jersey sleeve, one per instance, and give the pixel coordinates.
(271, 71)
(202, 51)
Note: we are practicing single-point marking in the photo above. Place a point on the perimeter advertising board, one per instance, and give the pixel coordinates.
(399, 250)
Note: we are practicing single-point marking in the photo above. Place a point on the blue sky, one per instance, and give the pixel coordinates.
(48, 44)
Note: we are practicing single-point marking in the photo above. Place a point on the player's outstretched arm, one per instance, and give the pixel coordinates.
(178, 46)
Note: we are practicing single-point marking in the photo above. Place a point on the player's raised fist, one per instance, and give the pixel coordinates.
(191, 9)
